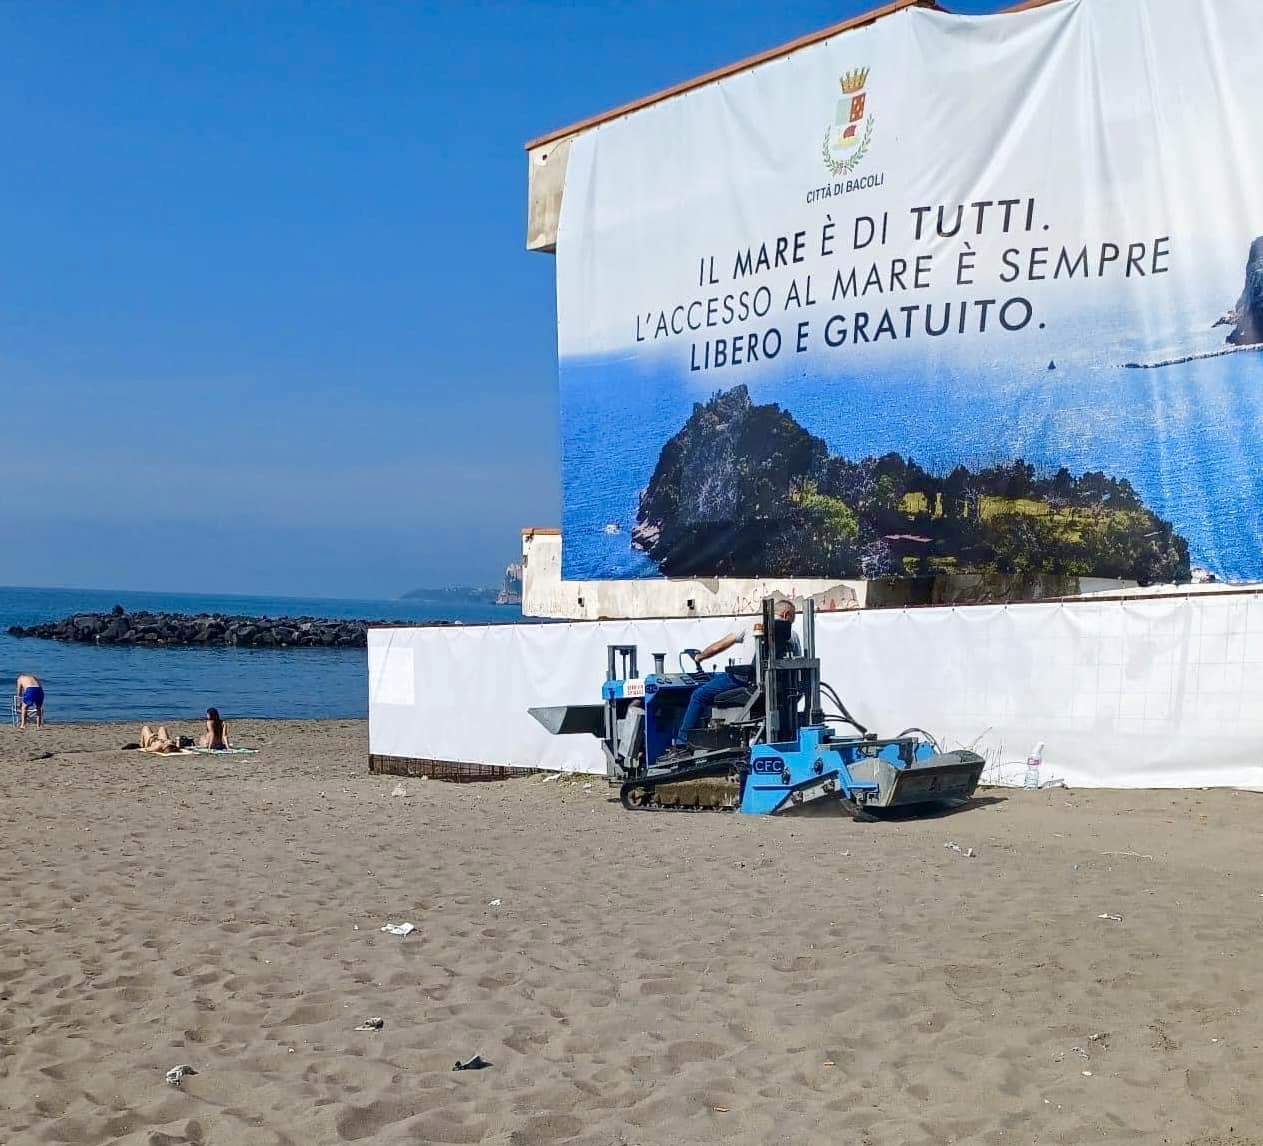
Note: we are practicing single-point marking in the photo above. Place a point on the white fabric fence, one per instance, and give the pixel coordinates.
(1151, 693)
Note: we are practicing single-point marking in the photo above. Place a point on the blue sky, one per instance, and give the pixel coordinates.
(267, 323)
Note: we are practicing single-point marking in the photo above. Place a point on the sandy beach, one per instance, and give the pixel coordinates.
(631, 977)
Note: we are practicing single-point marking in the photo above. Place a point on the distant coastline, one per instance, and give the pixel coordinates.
(451, 595)
(509, 592)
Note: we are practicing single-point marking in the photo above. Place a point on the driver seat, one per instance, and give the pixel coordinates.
(737, 705)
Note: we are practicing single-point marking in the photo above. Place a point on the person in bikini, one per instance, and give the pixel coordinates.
(160, 741)
(216, 734)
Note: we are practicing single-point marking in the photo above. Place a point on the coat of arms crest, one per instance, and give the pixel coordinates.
(847, 139)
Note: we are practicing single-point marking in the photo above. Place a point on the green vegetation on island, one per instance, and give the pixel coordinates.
(745, 491)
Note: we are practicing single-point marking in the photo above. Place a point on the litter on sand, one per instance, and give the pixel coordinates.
(494, 903)
(475, 1063)
(968, 853)
(177, 1074)
(373, 1024)
(399, 790)
(399, 928)
(1111, 916)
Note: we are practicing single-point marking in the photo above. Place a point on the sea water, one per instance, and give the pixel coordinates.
(106, 683)
(1189, 436)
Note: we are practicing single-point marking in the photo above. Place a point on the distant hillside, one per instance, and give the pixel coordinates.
(509, 593)
(455, 594)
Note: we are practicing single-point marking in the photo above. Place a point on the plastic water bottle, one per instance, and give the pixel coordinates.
(1031, 783)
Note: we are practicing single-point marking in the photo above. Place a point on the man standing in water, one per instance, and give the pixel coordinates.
(30, 694)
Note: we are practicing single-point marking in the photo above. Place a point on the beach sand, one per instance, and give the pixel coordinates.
(632, 977)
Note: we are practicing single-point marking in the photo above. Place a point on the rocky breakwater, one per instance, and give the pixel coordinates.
(203, 630)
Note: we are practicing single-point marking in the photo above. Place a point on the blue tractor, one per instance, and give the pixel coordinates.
(767, 747)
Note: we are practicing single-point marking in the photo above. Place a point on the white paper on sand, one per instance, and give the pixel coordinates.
(402, 929)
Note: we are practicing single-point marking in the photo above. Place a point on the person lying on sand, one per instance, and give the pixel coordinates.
(216, 734)
(159, 741)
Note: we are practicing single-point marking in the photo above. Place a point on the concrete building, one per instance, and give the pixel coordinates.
(545, 594)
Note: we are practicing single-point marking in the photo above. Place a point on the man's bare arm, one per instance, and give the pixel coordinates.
(720, 646)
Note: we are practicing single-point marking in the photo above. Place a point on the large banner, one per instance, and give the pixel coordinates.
(943, 293)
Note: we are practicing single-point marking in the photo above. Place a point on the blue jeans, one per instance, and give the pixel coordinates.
(703, 697)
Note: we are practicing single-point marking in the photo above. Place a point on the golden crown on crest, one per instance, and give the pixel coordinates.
(854, 81)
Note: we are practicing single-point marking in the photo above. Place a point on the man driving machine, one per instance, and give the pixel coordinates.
(736, 677)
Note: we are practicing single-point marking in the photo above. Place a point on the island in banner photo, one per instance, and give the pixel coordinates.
(743, 490)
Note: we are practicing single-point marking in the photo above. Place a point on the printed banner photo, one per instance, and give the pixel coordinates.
(939, 294)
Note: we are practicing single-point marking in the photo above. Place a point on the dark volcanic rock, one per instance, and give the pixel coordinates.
(1247, 316)
(120, 628)
(717, 500)
(745, 491)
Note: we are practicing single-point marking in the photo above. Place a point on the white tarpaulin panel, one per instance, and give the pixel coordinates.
(1156, 693)
(472, 686)
(950, 293)
(1147, 694)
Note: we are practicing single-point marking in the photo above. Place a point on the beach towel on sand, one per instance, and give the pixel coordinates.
(223, 751)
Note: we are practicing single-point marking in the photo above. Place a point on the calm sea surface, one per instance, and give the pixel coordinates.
(87, 683)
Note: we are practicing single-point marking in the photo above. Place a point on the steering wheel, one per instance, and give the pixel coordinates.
(692, 655)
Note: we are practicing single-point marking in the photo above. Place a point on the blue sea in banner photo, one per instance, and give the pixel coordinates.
(1189, 437)
(90, 683)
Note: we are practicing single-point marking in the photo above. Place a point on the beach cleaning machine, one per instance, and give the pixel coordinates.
(768, 746)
